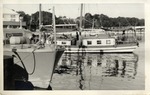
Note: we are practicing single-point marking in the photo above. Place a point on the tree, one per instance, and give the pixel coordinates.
(100, 20)
(133, 21)
(122, 21)
(88, 20)
(141, 22)
(26, 18)
(97, 21)
(21, 13)
(105, 20)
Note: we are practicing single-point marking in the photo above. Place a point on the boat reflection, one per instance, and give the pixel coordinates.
(89, 65)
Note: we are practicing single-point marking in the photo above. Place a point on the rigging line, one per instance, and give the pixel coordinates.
(78, 13)
(69, 18)
(83, 10)
(62, 12)
(15, 52)
(98, 8)
(63, 16)
(83, 15)
(88, 21)
(23, 58)
(88, 8)
(33, 63)
(136, 22)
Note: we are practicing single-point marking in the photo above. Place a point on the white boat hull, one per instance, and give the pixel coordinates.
(104, 50)
(44, 64)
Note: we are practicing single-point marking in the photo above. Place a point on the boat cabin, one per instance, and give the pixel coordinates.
(98, 41)
(64, 42)
(16, 36)
(65, 39)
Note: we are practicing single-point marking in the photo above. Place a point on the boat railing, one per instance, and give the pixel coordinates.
(125, 42)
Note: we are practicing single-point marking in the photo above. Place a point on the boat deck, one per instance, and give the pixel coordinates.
(29, 48)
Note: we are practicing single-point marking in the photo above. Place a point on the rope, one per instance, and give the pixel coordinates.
(34, 63)
(88, 21)
(15, 52)
(23, 58)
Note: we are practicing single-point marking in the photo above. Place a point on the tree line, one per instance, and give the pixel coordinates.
(101, 20)
(89, 20)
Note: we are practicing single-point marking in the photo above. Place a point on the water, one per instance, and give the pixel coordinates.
(96, 71)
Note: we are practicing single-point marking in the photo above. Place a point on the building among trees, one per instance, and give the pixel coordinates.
(12, 19)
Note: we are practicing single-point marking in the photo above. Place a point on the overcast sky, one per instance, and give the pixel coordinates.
(73, 10)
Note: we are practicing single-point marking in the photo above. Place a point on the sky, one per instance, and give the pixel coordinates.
(73, 10)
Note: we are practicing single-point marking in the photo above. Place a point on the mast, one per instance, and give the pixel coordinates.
(81, 18)
(54, 26)
(93, 25)
(80, 27)
(40, 16)
(40, 34)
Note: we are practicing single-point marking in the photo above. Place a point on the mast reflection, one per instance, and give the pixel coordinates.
(88, 65)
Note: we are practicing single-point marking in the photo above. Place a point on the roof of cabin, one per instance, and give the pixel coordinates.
(100, 36)
(15, 30)
(13, 23)
(59, 39)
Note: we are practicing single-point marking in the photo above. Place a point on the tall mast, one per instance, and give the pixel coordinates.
(40, 22)
(80, 27)
(40, 16)
(81, 18)
(54, 26)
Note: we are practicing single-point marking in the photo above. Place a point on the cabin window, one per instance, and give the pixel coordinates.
(99, 64)
(89, 42)
(99, 42)
(17, 34)
(108, 42)
(8, 35)
(63, 42)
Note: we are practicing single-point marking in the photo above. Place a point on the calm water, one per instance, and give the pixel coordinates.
(95, 71)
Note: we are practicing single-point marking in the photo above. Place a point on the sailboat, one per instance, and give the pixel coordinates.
(37, 61)
(100, 41)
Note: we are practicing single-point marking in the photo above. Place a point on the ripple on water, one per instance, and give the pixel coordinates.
(99, 72)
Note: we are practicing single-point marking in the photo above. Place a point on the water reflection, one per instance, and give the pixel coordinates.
(89, 65)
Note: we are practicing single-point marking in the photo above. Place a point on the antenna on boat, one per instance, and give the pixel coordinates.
(54, 26)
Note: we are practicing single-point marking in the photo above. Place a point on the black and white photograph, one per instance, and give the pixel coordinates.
(73, 46)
